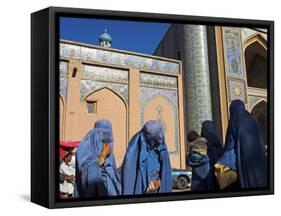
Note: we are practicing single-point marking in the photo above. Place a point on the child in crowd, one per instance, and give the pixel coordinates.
(67, 176)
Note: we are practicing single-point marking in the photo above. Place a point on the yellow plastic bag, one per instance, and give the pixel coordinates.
(225, 176)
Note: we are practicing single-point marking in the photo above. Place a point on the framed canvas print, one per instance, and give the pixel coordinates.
(138, 107)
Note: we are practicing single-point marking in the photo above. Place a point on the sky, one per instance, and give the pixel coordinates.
(142, 37)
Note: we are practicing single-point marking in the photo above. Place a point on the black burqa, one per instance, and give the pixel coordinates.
(244, 138)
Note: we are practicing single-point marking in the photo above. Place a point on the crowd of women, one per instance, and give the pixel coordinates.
(146, 168)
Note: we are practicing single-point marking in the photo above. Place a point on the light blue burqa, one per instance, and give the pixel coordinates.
(146, 159)
(93, 180)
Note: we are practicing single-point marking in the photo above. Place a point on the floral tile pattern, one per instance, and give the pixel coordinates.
(63, 67)
(233, 51)
(234, 64)
(236, 89)
(104, 74)
(156, 80)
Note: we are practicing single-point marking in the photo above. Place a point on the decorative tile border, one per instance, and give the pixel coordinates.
(156, 80)
(63, 78)
(88, 86)
(234, 65)
(247, 32)
(63, 69)
(115, 58)
(70, 51)
(171, 96)
(233, 51)
(99, 73)
(63, 87)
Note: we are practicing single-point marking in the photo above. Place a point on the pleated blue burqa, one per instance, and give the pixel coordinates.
(93, 180)
(146, 159)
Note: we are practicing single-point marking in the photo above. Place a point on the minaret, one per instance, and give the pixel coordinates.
(197, 78)
(105, 39)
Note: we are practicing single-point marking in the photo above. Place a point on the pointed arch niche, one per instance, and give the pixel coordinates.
(160, 107)
(104, 103)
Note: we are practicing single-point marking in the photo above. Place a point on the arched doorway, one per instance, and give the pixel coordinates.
(260, 112)
(106, 104)
(256, 62)
(256, 68)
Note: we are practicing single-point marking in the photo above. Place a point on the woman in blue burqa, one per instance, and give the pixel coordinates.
(146, 167)
(245, 151)
(214, 149)
(96, 173)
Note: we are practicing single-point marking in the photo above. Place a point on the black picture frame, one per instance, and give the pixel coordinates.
(44, 104)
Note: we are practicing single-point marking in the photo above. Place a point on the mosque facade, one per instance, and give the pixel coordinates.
(126, 88)
(193, 75)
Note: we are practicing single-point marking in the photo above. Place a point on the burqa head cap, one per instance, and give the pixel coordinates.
(236, 106)
(153, 133)
(105, 129)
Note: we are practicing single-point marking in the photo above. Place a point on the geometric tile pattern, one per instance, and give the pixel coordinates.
(197, 78)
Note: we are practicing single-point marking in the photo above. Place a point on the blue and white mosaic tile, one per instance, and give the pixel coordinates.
(113, 57)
